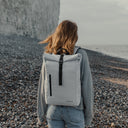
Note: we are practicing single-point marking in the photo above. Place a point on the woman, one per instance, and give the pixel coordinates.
(58, 116)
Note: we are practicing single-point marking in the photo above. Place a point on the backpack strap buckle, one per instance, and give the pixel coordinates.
(60, 61)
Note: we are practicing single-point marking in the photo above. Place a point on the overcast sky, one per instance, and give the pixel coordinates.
(99, 21)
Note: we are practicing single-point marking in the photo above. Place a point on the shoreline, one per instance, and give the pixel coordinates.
(104, 49)
(20, 66)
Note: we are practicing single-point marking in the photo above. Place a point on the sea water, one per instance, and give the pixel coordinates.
(120, 51)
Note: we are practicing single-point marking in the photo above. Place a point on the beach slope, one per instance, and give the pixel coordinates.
(20, 65)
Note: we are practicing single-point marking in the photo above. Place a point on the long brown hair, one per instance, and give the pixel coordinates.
(65, 36)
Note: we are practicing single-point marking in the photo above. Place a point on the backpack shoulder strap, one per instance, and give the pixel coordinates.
(76, 48)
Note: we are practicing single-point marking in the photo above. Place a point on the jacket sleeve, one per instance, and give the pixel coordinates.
(87, 89)
(41, 105)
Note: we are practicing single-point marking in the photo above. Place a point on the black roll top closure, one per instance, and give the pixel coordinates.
(60, 69)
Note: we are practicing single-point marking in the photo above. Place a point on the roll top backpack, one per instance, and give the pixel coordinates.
(62, 78)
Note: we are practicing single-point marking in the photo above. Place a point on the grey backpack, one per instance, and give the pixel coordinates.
(62, 78)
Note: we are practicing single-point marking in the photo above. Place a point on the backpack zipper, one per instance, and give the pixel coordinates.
(50, 84)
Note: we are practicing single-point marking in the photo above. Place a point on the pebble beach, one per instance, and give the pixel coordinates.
(20, 65)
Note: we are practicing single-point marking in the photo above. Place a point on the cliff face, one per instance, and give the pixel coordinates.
(34, 18)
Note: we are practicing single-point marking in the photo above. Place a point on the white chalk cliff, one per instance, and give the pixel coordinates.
(34, 18)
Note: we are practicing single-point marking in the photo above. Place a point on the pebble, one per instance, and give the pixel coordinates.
(19, 74)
